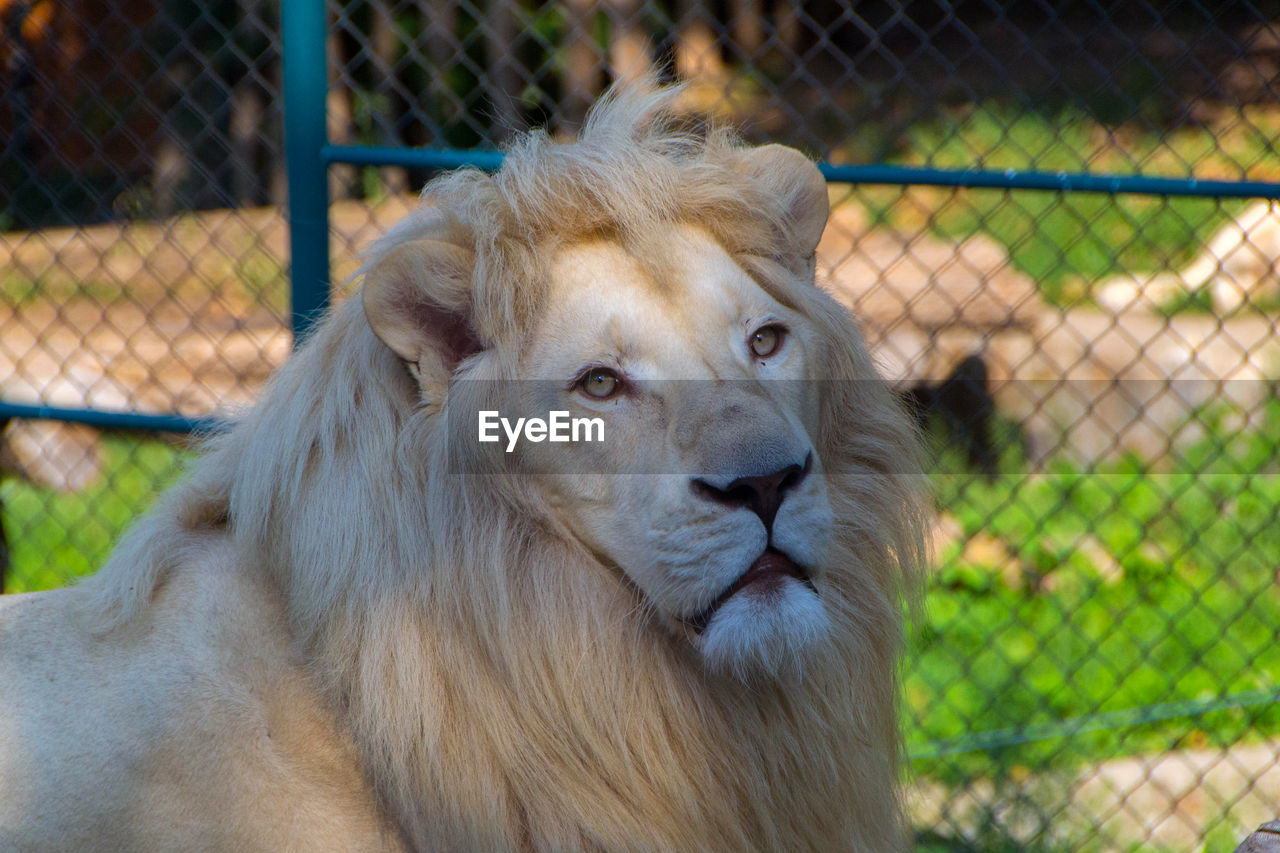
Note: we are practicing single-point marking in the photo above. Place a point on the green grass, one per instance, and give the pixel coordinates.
(1116, 589)
(21, 290)
(56, 537)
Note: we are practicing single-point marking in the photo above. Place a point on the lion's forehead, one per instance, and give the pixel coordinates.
(662, 308)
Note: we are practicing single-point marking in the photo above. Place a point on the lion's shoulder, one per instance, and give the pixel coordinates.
(195, 709)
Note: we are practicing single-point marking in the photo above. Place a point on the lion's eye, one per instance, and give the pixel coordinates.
(600, 382)
(766, 340)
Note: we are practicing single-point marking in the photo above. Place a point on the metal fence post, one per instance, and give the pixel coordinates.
(305, 87)
(4, 539)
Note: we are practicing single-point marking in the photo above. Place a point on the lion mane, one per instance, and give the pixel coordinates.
(500, 682)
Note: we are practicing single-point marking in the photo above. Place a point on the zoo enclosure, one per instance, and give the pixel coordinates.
(1008, 741)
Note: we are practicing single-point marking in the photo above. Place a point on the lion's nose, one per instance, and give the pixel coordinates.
(762, 495)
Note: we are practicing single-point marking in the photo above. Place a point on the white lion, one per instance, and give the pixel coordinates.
(354, 626)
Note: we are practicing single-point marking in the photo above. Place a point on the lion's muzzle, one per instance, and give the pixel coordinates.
(763, 495)
(765, 577)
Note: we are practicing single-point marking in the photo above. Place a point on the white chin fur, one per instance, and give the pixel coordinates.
(753, 635)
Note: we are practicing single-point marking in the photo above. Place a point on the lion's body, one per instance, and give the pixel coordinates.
(328, 637)
(192, 728)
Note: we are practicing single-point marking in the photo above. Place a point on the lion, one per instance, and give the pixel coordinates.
(354, 626)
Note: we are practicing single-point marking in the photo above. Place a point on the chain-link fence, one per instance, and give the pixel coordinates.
(1096, 665)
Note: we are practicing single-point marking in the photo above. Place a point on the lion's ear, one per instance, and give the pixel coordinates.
(418, 299)
(788, 175)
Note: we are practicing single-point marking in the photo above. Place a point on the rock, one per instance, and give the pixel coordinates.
(925, 304)
(892, 279)
(1240, 264)
(62, 456)
(1096, 385)
(1265, 839)
(1091, 383)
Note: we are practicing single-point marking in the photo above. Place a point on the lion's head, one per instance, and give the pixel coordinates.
(683, 636)
(663, 284)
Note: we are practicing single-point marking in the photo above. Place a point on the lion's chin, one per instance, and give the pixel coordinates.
(769, 633)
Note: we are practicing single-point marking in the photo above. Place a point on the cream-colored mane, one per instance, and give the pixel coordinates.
(502, 684)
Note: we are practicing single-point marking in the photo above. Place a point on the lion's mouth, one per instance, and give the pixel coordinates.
(765, 577)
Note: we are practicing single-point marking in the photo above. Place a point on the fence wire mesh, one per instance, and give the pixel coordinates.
(1097, 660)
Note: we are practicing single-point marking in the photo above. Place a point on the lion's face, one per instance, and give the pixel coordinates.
(708, 489)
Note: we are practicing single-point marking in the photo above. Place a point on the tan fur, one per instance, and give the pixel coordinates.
(498, 684)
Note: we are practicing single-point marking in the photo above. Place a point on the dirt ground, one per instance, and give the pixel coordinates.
(1161, 802)
(187, 317)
